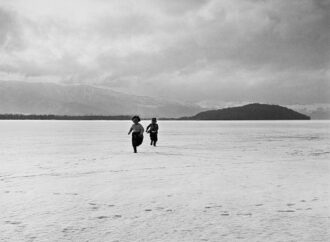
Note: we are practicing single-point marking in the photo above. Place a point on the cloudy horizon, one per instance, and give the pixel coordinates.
(197, 51)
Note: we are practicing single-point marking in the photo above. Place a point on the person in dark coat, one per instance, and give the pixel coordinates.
(152, 129)
(137, 133)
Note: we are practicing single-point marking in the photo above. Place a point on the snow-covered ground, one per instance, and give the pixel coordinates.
(206, 181)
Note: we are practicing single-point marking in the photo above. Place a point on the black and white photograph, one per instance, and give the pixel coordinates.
(165, 120)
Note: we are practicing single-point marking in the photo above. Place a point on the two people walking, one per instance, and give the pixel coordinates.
(137, 131)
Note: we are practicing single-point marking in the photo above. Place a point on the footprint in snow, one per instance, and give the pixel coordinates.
(102, 217)
(13, 222)
(224, 213)
(290, 204)
(214, 206)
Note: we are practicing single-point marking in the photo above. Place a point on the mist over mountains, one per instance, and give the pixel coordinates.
(19, 97)
(51, 98)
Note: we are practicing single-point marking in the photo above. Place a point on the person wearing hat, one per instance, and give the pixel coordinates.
(152, 129)
(137, 133)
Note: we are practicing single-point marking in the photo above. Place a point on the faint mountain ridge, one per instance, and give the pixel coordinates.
(317, 111)
(254, 111)
(59, 99)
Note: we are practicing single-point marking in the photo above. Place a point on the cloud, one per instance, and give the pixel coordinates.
(10, 32)
(222, 50)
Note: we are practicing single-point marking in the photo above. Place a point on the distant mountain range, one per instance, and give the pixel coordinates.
(49, 98)
(248, 112)
(253, 111)
(27, 98)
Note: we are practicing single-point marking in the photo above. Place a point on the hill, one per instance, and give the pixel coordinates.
(253, 111)
(76, 100)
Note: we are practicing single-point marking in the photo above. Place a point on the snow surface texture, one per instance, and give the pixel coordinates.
(206, 181)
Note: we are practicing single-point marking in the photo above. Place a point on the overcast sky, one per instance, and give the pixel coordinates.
(272, 51)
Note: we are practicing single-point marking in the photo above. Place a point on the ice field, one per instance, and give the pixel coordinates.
(206, 181)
